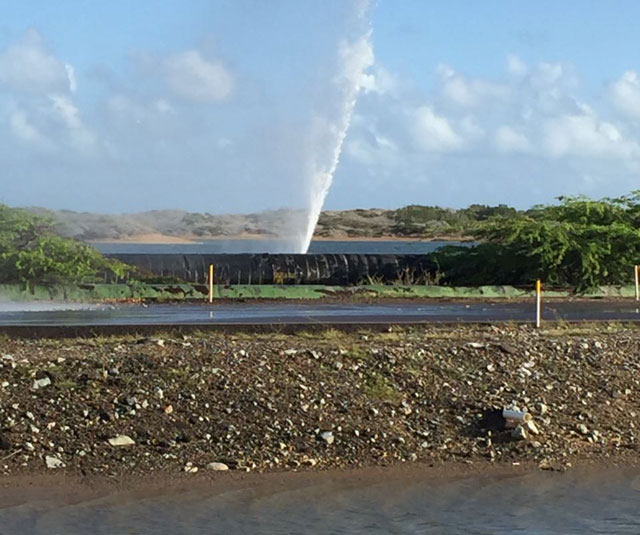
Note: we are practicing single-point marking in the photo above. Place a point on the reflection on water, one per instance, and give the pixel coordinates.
(534, 503)
(291, 312)
(261, 246)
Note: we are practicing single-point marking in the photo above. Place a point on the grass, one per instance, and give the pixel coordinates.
(379, 388)
(358, 353)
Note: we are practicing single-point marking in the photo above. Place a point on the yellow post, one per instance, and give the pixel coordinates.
(636, 272)
(211, 283)
(538, 303)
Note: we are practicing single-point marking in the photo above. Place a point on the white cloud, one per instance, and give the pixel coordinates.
(433, 132)
(469, 93)
(470, 129)
(547, 75)
(624, 94)
(71, 76)
(29, 67)
(586, 136)
(23, 129)
(516, 66)
(508, 140)
(191, 76)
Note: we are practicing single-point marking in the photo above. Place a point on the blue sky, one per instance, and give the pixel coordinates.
(232, 105)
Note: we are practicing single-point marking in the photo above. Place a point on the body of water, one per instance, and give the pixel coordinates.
(261, 246)
(607, 501)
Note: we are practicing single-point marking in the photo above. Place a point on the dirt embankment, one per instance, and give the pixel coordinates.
(123, 405)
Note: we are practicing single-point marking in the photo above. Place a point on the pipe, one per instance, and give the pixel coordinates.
(322, 269)
(516, 417)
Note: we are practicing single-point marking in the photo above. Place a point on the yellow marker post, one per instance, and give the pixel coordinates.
(211, 283)
(636, 273)
(538, 303)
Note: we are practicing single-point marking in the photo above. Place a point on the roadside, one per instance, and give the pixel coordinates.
(165, 292)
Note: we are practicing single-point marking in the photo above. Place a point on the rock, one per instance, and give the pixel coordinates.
(190, 468)
(507, 348)
(545, 465)
(542, 409)
(168, 409)
(53, 462)
(5, 443)
(217, 467)
(121, 440)
(327, 437)
(41, 383)
(290, 352)
(583, 429)
(519, 433)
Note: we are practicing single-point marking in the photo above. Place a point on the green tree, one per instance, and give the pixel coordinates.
(580, 243)
(31, 252)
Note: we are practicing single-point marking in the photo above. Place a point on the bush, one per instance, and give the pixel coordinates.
(31, 252)
(579, 243)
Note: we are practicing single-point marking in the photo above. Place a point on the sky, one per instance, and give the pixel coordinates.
(214, 105)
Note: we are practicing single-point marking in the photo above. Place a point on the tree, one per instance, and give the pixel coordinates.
(579, 243)
(31, 252)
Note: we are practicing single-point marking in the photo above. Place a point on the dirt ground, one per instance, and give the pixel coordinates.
(135, 406)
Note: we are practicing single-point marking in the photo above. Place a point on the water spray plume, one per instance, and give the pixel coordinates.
(330, 130)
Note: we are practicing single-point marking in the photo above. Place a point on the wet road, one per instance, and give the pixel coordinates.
(603, 501)
(298, 313)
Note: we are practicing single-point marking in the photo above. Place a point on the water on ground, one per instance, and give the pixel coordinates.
(528, 503)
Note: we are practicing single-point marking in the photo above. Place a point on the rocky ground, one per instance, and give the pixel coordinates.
(261, 402)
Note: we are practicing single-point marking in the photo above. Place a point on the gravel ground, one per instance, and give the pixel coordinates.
(124, 405)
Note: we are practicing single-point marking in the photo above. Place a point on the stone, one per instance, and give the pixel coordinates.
(121, 440)
(217, 467)
(508, 348)
(168, 409)
(542, 409)
(41, 383)
(519, 433)
(327, 437)
(583, 429)
(190, 468)
(5, 443)
(53, 462)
